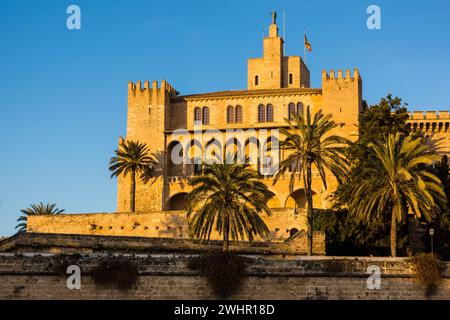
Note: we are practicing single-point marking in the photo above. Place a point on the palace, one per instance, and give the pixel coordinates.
(277, 86)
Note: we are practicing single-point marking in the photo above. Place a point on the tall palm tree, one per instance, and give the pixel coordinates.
(229, 197)
(394, 179)
(39, 209)
(132, 157)
(309, 143)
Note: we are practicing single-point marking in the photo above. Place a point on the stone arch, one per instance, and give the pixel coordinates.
(175, 156)
(177, 201)
(270, 155)
(234, 148)
(297, 199)
(194, 153)
(252, 152)
(274, 202)
(193, 149)
(213, 151)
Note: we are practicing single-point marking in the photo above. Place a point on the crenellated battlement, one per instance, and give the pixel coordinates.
(332, 75)
(164, 89)
(429, 115)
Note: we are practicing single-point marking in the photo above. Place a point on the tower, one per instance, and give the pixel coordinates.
(274, 70)
(147, 119)
(342, 97)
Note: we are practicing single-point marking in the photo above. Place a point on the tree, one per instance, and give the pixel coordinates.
(388, 116)
(442, 170)
(229, 197)
(394, 179)
(39, 209)
(375, 123)
(309, 142)
(441, 222)
(132, 157)
(346, 237)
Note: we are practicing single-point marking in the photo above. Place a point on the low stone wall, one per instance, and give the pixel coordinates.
(65, 243)
(163, 224)
(167, 276)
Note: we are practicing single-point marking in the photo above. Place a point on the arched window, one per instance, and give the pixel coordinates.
(269, 117)
(197, 114)
(230, 114)
(238, 114)
(175, 165)
(205, 119)
(291, 79)
(256, 80)
(261, 113)
(291, 110)
(299, 108)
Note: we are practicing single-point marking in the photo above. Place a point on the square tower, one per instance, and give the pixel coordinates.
(274, 70)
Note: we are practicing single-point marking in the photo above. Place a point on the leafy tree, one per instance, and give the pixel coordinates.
(309, 143)
(39, 209)
(377, 122)
(229, 197)
(132, 157)
(393, 179)
(442, 170)
(347, 237)
(441, 223)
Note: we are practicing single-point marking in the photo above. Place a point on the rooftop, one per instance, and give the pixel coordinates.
(238, 93)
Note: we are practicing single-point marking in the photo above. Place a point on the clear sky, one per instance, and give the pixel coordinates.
(63, 92)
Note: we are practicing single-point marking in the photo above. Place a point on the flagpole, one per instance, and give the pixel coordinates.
(284, 31)
(304, 44)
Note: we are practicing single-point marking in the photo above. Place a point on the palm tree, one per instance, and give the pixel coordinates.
(394, 179)
(39, 209)
(132, 157)
(309, 143)
(229, 197)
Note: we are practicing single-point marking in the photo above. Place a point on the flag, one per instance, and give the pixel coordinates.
(307, 44)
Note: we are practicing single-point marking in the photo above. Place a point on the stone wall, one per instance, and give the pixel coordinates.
(433, 124)
(167, 276)
(71, 243)
(164, 224)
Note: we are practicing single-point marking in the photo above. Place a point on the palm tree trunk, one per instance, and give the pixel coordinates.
(394, 232)
(226, 232)
(309, 216)
(132, 191)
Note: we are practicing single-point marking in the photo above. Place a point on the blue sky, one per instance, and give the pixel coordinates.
(63, 93)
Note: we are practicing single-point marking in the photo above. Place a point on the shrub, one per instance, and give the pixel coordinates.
(223, 270)
(115, 272)
(427, 271)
